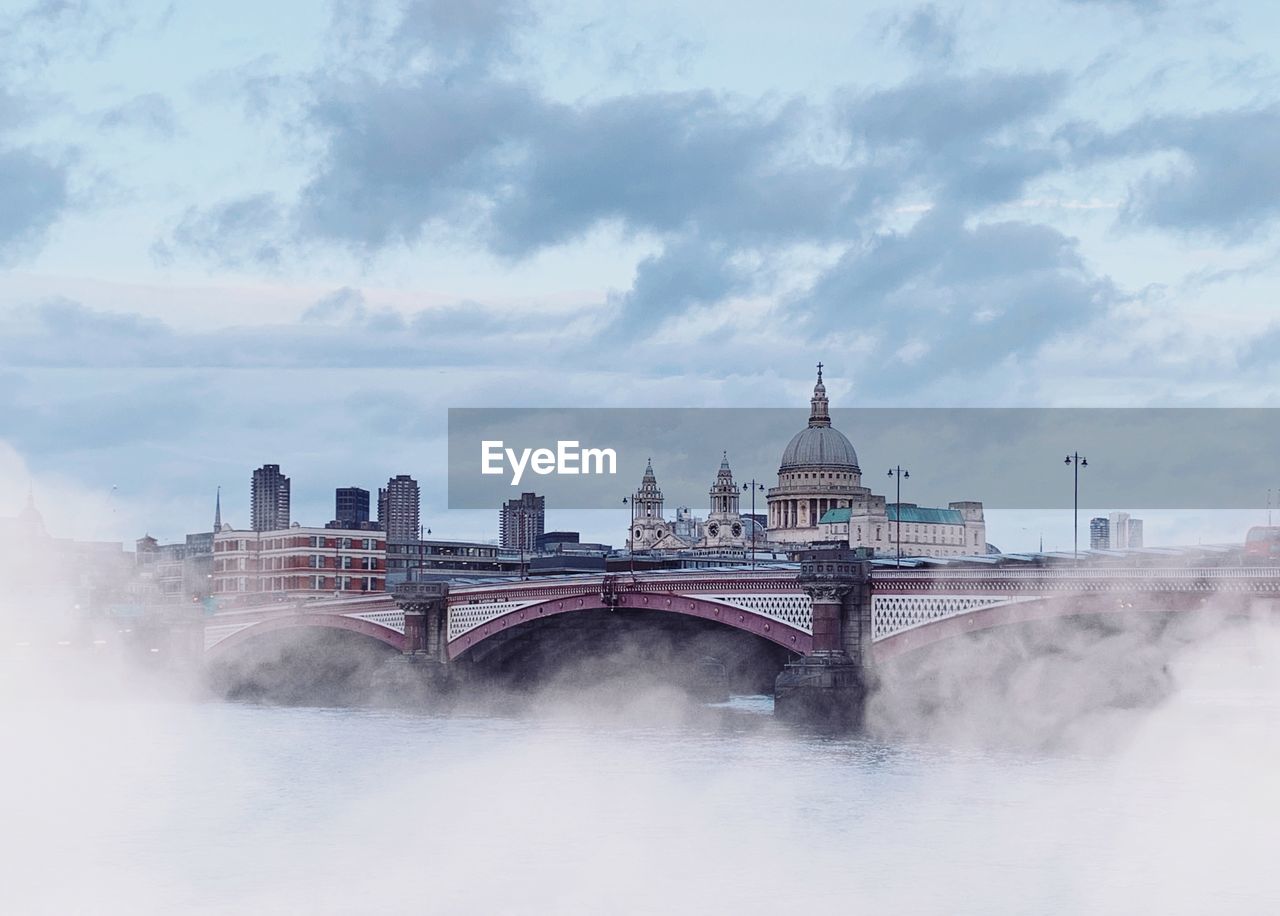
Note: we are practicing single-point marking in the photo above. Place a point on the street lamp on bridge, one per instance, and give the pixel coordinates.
(1078, 461)
(753, 487)
(631, 532)
(899, 473)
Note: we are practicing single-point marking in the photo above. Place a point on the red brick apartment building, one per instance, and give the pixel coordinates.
(298, 563)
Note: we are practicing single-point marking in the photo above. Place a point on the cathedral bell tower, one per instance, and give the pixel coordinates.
(647, 524)
(724, 526)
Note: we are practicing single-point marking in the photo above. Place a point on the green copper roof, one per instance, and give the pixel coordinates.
(924, 515)
(917, 514)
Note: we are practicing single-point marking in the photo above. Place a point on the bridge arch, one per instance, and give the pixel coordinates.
(730, 615)
(228, 644)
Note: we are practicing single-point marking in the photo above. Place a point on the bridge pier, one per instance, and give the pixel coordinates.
(422, 672)
(828, 687)
(426, 611)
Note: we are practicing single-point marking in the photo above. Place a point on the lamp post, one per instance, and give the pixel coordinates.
(631, 543)
(753, 487)
(898, 472)
(422, 553)
(337, 564)
(521, 515)
(1077, 461)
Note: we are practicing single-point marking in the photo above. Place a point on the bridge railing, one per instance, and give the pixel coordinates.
(1094, 572)
(667, 581)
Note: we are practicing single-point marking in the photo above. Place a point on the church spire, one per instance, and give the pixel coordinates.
(819, 414)
(217, 512)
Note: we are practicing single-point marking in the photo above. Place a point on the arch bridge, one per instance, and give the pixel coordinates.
(838, 618)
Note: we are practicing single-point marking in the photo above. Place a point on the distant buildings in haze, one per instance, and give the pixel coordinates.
(1118, 531)
(1099, 533)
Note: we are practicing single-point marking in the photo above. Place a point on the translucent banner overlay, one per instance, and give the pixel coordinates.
(1007, 458)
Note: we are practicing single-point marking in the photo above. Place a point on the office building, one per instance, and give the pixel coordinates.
(351, 507)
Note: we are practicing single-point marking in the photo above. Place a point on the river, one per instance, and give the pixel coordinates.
(122, 801)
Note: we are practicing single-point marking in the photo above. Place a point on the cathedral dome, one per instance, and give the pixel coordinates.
(816, 446)
(819, 444)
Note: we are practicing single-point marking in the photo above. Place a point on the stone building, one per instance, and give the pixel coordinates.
(820, 497)
(959, 530)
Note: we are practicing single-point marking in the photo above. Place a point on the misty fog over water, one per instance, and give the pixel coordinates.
(128, 795)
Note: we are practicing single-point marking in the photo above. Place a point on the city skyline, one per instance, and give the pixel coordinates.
(1047, 221)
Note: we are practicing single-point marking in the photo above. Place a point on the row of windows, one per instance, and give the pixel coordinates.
(319, 540)
(490, 565)
(807, 475)
(314, 541)
(295, 583)
(314, 561)
(955, 539)
(443, 551)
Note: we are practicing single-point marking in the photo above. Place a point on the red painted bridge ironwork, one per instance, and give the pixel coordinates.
(910, 608)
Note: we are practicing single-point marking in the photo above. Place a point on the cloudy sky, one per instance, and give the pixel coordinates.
(299, 231)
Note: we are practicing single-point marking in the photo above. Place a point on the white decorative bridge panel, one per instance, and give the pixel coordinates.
(217, 633)
(795, 610)
(463, 618)
(392, 620)
(891, 614)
